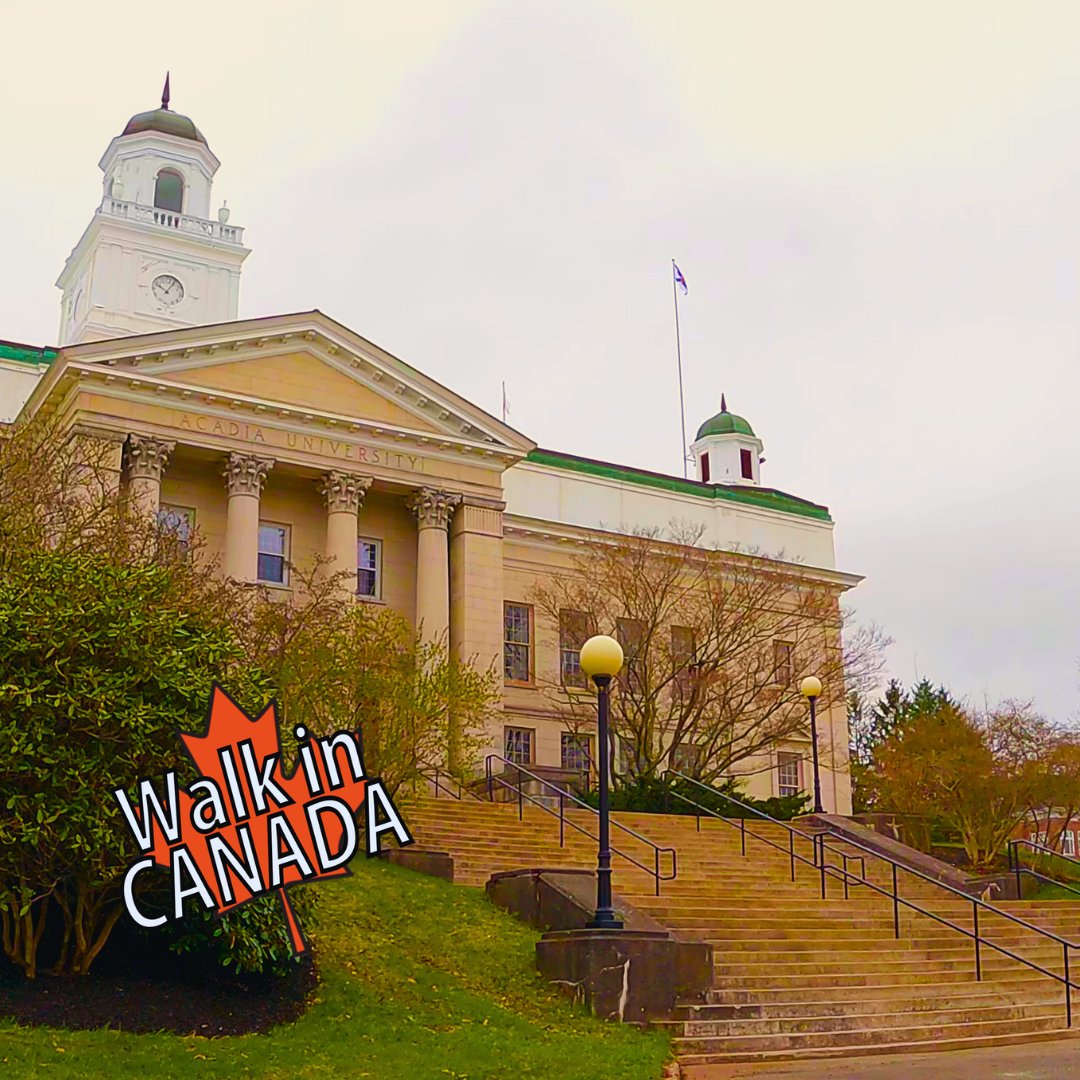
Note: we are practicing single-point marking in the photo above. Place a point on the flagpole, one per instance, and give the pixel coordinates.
(678, 354)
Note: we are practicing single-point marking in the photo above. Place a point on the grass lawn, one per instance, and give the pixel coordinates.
(419, 979)
(1049, 891)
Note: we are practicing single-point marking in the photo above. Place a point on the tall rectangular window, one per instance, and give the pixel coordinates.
(787, 774)
(178, 522)
(576, 751)
(746, 460)
(573, 633)
(705, 467)
(517, 642)
(630, 634)
(682, 661)
(273, 554)
(783, 663)
(518, 745)
(1068, 842)
(369, 568)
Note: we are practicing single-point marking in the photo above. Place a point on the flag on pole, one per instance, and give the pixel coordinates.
(679, 279)
(506, 404)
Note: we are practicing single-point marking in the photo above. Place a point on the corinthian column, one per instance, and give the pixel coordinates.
(433, 510)
(344, 494)
(147, 458)
(245, 476)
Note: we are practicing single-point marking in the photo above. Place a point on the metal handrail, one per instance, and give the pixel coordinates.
(743, 832)
(522, 795)
(434, 777)
(1017, 868)
(819, 841)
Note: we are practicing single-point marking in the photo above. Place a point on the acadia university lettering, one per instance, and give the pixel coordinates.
(291, 440)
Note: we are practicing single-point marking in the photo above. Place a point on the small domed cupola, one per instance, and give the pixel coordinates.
(165, 121)
(726, 450)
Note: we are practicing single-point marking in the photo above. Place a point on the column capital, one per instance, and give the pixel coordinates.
(148, 456)
(245, 474)
(433, 508)
(344, 491)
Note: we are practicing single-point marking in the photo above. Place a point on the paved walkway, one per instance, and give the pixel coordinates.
(1056, 1060)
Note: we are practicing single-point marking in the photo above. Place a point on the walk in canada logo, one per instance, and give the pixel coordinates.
(246, 827)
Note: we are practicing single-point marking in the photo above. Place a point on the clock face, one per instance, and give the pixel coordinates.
(167, 289)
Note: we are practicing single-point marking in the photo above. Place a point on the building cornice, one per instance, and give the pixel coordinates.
(553, 536)
(769, 499)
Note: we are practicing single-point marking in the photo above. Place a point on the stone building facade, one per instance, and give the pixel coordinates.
(282, 437)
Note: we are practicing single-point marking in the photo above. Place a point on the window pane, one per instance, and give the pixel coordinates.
(787, 768)
(272, 569)
(782, 662)
(576, 751)
(176, 520)
(517, 626)
(273, 549)
(518, 744)
(516, 622)
(573, 633)
(169, 191)
(271, 540)
(747, 464)
(685, 759)
(367, 568)
(516, 662)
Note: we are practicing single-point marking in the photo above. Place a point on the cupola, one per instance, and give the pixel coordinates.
(726, 450)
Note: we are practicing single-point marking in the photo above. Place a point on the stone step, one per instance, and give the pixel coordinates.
(853, 1021)
(788, 983)
(866, 1040)
(942, 998)
(717, 1066)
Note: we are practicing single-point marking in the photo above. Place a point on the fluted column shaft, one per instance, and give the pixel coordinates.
(245, 476)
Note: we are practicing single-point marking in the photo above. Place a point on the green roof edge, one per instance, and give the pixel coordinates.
(27, 354)
(766, 498)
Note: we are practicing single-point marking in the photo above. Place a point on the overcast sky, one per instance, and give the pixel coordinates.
(876, 207)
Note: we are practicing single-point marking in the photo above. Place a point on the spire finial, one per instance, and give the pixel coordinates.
(165, 93)
(723, 403)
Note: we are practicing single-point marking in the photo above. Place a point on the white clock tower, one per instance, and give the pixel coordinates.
(152, 258)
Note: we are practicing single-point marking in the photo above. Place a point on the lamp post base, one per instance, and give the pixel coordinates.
(604, 921)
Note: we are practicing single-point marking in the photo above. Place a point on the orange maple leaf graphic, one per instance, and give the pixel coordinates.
(246, 827)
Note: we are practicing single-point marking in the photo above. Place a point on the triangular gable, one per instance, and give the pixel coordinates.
(301, 380)
(303, 360)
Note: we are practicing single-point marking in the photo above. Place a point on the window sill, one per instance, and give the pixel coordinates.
(378, 600)
(277, 586)
(519, 685)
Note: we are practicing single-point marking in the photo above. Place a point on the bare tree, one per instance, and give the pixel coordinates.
(715, 644)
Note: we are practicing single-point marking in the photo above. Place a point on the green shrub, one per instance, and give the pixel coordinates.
(101, 664)
(675, 795)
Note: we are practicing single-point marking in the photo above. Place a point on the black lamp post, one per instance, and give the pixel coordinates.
(810, 688)
(601, 660)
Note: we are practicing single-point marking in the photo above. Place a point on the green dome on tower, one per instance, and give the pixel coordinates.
(166, 121)
(725, 423)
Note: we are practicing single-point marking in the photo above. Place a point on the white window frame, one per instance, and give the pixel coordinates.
(513, 643)
(791, 758)
(287, 530)
(1068, 842)
(528, 734)
(377, 570)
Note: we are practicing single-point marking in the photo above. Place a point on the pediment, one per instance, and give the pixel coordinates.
(300, 380)
(300, 363)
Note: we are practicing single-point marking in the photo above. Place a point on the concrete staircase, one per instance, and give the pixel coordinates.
(794, 975)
